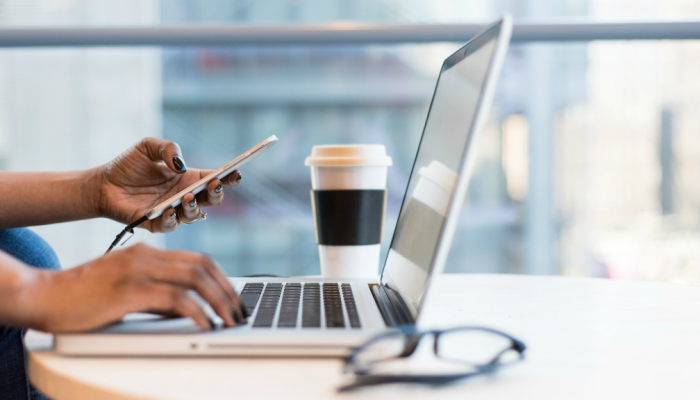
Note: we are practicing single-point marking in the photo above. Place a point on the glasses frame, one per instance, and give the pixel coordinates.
(364, 376)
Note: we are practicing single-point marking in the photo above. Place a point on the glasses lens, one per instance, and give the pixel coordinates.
(475, 347)
(386, 347)
(421, 363)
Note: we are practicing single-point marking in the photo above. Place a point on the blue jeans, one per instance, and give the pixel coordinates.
(31, 249)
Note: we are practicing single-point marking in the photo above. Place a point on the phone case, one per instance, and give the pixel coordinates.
(201, 184)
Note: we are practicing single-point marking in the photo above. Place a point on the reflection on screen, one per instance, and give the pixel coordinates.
(435, 176)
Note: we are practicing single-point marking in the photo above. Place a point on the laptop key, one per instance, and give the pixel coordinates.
(333, 306)
(250, 295)
(311, 306)
(350, 306)
(289, 307)
(268, 306)
(250, 300)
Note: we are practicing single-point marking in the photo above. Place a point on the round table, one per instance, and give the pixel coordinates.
(587, 339)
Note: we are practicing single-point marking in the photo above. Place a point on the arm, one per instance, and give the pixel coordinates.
(124, 189)
(39, 198)
(136, 279)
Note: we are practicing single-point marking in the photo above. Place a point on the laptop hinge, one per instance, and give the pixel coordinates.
(392, 306)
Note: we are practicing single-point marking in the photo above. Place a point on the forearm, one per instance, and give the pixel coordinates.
(39, 198)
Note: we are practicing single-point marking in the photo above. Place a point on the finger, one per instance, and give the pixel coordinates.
(167, 299)
(163, 150)
(232, 179)
(212, 267)
(188, 307)
(189, 210)
(167, 222)
(220, 276)
(166, 314)
(213, 196)
(197, 278)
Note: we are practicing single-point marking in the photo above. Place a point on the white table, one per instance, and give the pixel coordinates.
(587, 339)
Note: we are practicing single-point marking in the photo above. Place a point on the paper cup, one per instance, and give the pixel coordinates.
(348, 197)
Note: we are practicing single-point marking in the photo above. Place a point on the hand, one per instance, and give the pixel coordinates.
(137, 279)
(147, 174)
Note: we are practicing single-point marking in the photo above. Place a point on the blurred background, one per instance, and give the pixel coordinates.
(589, 166)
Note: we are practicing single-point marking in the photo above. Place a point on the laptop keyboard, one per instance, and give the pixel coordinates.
(281, 303)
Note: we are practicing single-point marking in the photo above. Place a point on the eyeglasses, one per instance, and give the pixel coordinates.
(457, 353)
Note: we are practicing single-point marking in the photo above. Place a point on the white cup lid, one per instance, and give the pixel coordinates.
(348, 156)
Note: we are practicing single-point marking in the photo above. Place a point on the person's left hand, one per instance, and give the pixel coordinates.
(149, 173)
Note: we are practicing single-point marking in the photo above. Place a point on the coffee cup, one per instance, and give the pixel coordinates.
(348, 198)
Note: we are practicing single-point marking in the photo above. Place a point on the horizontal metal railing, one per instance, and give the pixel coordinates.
(341, 33)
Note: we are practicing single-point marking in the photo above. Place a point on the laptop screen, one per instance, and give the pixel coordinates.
(438, 163)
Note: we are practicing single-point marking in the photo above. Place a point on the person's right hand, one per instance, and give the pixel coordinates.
(137, 279)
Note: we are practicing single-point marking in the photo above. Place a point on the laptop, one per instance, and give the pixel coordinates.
(326, 317)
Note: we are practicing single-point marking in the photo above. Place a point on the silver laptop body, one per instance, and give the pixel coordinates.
(325, 317)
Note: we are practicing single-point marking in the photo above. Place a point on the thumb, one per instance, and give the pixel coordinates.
(163, 150)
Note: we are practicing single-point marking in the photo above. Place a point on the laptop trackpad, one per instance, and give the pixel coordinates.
(151, 323)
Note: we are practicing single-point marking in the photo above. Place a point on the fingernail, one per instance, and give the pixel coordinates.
(172, 216)
(179, 164)
(243, 318)
(218, 188)
(238, 180)
(192, 203)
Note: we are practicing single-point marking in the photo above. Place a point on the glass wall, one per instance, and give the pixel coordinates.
(235, 97)
(76, 108)
(588, 165)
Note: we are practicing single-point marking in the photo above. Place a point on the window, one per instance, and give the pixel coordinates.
(587, 166)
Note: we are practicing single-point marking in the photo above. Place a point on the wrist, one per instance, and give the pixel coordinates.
(21, 292)
(32, 298)
(91, 192)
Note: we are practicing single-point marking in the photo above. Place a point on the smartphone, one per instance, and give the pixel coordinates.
(201, 184)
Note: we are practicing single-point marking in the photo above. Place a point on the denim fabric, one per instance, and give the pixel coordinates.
(31, 249)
